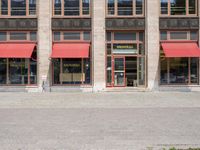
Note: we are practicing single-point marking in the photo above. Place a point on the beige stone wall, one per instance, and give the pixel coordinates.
(44, 43)
(98, 32)
(152, 43)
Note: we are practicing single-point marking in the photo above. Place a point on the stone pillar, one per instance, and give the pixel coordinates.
(98, 42)
(199, 35)
(152, 43)
(44, 43)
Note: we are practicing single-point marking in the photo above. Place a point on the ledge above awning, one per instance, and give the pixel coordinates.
(70, 50)
(16, 50)
(180, 49)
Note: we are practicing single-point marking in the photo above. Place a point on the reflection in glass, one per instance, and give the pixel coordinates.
(192, 6)
(32, 7)
(163, 71)
(57, 7)
(4, 7)
(178, 7)
(164, 6)
(194, 70)
(141, 71)
(111, 7)
(139, 7)
(56, 71)
(86, 7)
(125, 7)
(109, 71)
(71, 8)
(119, 72)
(18, 7)
(86, 71)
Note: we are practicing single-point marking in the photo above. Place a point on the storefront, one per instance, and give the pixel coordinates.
(126, 59)
(179, 58)
(71, 58)
(18, 58)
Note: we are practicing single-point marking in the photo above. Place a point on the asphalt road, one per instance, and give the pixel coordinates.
(99, 128)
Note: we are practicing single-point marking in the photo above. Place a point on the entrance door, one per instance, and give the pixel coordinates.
(119, 71)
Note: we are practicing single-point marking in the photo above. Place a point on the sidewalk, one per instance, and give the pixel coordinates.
(100, 100)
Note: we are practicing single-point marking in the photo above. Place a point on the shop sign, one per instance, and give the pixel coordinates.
(125, 49)
(72, 65)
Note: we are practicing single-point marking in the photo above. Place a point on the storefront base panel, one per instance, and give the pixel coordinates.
(71, 89)
(125, 89)
(19, 89)
(179, 88)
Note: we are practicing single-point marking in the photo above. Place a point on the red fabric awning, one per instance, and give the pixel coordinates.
(70, 50)
(181, 49)
(16, 50)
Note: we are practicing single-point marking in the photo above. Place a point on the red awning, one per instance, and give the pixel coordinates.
(181, 49)
(16, 50)
(70, 50)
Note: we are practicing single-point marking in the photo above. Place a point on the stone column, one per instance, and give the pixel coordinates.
(98, 42)
(199, 34)
(152, 43)
(44, 43)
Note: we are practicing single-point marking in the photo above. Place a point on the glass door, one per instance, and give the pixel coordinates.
(119, 71)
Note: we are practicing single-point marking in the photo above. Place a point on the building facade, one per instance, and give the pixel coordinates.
(99, 45)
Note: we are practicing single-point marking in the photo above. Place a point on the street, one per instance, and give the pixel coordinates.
(29, 121)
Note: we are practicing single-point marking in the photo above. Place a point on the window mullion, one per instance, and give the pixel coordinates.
(80, 8)
(134, 7)
(9, 7)
(187, 7)
(27, 7)
(116, 8)
(62, 8)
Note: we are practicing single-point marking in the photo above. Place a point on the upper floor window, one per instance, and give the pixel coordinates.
(17, 7)
(125, 7)
(178, 7)
(71, 7)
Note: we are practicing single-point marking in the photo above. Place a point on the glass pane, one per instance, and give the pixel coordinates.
(109, 71)
(141, 71)
(108, 36)
(141, 49)
(139, 7)
(86, 7)
(32, 7)
(164, 6)
(18, 36)
(178, 35)
(111, 7)
(18, 7)
(163, 35)
(56, 36)
(141, 36)
(72, 71)
(4, 7)
(119, 72)
(3, 36)
(163, 71)
(179, 71)
(33, 68)
(108, 49)
(56, 71)
(3, 71)
(125, 36)
(33, 36)
(193, 35)
(125, 7)
(86, 36)
(72, 36)
(87, 73)
(57, 7)
(71, 8)
(125, 49)
(18, 71)
(192, 7)
(178, 7)
(194, 70)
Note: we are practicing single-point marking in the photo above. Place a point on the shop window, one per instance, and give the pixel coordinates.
(125, 7)
(193, 35)
(18, 36)
(109, 49)
(125, 36)
(85, 7)
(72, 36)
(32, 7)
(163, 70)
(141, 36)
(178, 7)
(56, 71)
(3, 71)
(3, 36)
(57, 7)
(108, 36)
(194, 65)
(163, 35)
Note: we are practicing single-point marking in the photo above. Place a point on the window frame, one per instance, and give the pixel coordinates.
(187, 10)
(127, 16)
(20, 16)
(62, 15)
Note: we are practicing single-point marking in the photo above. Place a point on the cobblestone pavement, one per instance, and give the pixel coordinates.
(99, 121)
